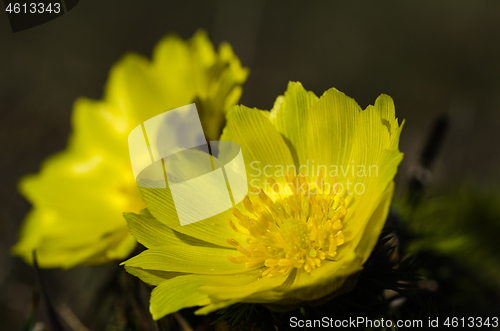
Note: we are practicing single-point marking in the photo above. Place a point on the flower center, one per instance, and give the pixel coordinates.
(298, 229)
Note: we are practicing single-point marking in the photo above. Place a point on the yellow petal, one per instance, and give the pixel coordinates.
(367, 241)
(152, 277)
(189, 259)
(375, 149)
(101, 128)
(186, 291)
(175, 294)
(214, 229)
(290, 115)
(263, 148)
(57, 249)
(138, 92)
(253, 291)
(152, 233)
(331, 129)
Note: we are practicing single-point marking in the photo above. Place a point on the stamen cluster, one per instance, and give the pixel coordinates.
(299, 230)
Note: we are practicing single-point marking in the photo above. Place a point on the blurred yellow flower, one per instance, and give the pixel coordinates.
(320, 173)
(80, 194)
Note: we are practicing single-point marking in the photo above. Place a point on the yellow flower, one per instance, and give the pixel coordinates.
(301, 232)
(80, 194)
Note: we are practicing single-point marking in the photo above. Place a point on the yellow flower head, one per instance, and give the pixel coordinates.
(320, 174)
(80, 194)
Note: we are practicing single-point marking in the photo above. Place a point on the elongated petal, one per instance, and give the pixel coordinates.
(152, 233)
(153, 277)
(189, 259)
(290, 115)
(264, 149)
(214, 229)
(366, 242)
(374, 163)
(331, 129)
(253, 291)
(175, 294)
(149, 231)
(215, 306)
(185, 291)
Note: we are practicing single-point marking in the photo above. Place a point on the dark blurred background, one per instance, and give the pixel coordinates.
(432, 57)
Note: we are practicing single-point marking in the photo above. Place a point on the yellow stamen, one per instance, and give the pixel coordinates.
(244, 251)
(248, 204)
(232, 226)
(237, 259)
(295, 231)
(233, 242)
